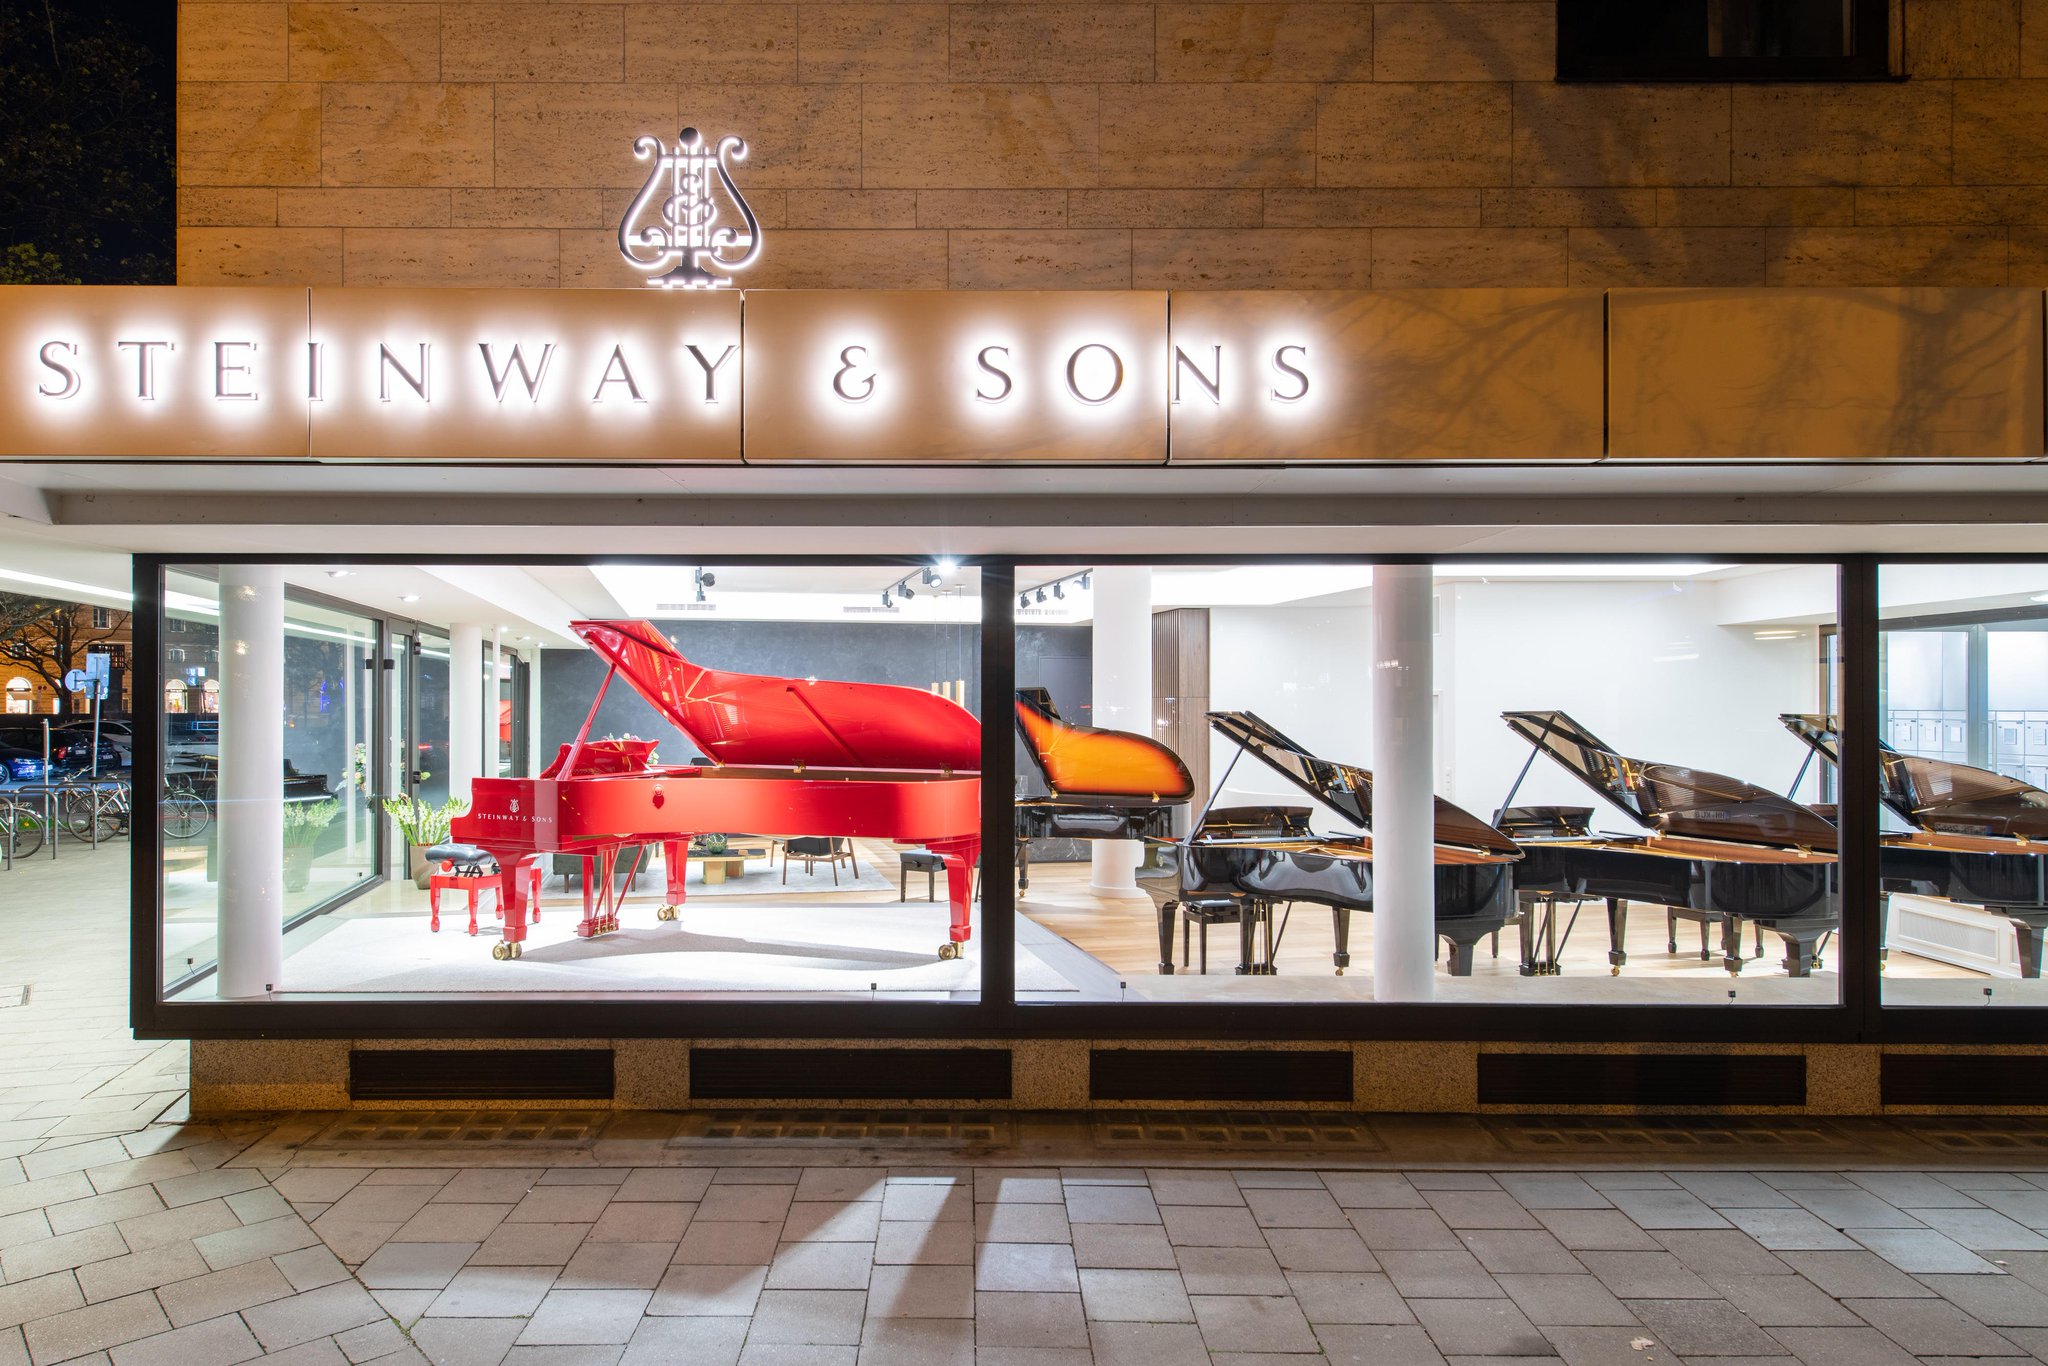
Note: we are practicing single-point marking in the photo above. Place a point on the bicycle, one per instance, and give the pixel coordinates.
(94, 809)
(21, 826)
(184, 813)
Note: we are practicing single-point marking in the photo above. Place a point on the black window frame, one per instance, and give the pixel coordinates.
(1856, 1017)
(1873, 25)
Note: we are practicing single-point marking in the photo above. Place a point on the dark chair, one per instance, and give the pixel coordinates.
(814, 850)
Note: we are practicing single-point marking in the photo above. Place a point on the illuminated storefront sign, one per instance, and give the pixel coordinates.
(707, 375)
(672, 225)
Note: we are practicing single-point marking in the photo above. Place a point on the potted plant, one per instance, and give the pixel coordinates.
(423, 827)
(303, 822)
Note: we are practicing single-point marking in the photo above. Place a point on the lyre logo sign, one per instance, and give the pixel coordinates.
(672, 225)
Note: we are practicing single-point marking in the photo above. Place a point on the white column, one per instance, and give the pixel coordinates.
(250, 791)
(465, 707)
(1122, 642)
(1403, 799)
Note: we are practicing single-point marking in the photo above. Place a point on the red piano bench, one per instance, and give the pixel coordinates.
(462, 867)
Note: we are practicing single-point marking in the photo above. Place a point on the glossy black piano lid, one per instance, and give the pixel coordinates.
(1933, 794)
(1346, 788)
(1672, 799)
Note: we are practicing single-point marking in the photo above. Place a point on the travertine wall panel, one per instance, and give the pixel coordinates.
(711, 44)
(381, 42)
(1192, 143)
(1264, 42)
(232, 43)
(398, 134)
(533, 42)
(1842, 134)
(1085, 42)
(1464, 42)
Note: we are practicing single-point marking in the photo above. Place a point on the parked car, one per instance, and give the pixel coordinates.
(71, 745)
(22, 764)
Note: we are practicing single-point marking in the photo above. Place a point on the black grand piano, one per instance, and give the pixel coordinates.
(1240, 863)
(1717, 850)
(1969, 835)
(1101, 784)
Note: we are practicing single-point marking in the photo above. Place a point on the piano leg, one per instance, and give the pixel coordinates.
(1731, 946)
(1800, 950)
(1461, 955)
(1671, 931)
(960, 855)
(1023, 865)
(1706, 954)
(1531, 907)
(675, 867)
(1341, 929)
(2029, 940)
(1617, 935)
(1166, 910)
(516, 901)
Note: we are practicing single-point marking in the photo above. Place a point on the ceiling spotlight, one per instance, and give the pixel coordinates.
(1024, 599)
(928, 577)
(704, 579)
(1059, 592)
(887, 601)
(1041, 595)
(949, 565)
(1084, 578)
(906, 590)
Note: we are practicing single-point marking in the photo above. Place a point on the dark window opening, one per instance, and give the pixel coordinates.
(1710, 40)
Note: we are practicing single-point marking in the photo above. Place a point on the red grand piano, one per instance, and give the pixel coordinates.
(789, 756)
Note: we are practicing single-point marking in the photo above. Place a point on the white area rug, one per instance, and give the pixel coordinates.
(752, 948)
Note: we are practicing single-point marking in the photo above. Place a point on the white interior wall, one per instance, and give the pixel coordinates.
(1644, 665)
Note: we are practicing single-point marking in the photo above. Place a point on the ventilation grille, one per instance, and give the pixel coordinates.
(1980, 1079)
(1608, 1136)
(936, 1128)
(1324, 1131)
(906, 1074)
(480, 1074)
(2007, 1135)
(1706, 1081)
(1182, 1074)
(464, 1128)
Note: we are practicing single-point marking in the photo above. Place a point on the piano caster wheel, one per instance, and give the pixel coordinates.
(1340, 972)
(502, 951)
(667, 913)
(948, 951)
(1614, 972)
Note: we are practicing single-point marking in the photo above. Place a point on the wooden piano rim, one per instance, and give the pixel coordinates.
(1704, 850)
(1937, 841)
(1360, 849)
(690, 773)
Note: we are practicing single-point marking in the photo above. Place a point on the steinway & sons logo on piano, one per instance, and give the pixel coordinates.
(673, 226)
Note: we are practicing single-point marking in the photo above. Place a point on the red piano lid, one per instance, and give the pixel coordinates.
(764, 720)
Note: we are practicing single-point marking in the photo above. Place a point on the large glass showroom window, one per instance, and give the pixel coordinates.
(1963, 705)
(325, 719)
(702, 781)
(1629, 803)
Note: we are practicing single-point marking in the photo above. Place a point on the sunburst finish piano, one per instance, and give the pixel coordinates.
(1266, 856)
(1971, 836)
(1717, 849)
(1102, 784)
(788, 756)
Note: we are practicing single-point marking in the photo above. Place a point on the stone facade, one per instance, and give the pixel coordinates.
(1106, 145)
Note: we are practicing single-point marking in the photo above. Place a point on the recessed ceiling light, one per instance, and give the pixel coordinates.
(2040, 597)
(339, 573)
(408, 597)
